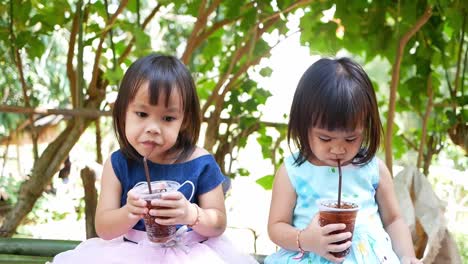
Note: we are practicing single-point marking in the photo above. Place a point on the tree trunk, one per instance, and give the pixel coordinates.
(394, 84)
(42, 172)
(90, 195)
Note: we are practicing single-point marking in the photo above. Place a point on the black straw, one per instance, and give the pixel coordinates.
(339, 184)
(148, 180)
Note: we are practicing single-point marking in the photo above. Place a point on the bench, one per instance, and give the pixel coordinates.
(31, 251)
(35, 251)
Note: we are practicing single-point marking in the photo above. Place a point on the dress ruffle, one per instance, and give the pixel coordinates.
(366, 248)
(192, 248)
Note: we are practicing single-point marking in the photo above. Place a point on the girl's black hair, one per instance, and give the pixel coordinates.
(164, 74)
(335, 94)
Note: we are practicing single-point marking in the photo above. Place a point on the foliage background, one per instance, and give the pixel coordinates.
(61, 62)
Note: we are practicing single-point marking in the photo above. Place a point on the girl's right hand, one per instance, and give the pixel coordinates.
(135, 206)
(318, 239)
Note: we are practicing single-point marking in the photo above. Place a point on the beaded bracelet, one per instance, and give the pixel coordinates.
(301, 253)
(298, 242)
(198, 217)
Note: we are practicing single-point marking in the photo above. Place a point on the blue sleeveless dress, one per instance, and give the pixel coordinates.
(371, 243)
(187, 247)
(203, 172)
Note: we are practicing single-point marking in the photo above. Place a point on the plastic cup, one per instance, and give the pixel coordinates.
(329, 213)
(158, 233)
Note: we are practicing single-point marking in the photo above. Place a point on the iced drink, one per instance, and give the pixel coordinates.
(331, 214)
(158, 233)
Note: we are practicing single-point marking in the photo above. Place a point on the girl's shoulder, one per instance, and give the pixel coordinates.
(198, 152)
(118, 159)
(199, 156)
(117, 154)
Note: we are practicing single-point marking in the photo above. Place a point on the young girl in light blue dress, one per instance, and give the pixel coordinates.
(334, 119)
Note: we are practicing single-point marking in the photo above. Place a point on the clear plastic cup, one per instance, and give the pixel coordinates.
(329, 213)
(158, 233)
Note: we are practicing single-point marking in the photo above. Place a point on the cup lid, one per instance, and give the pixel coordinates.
(156, 187)
(322, 205)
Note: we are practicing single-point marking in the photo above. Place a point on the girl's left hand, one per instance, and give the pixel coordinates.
(176, 210)
(410, 260)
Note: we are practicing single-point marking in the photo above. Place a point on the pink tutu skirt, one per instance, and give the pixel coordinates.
(188, 247)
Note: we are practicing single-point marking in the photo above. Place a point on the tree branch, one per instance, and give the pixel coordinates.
(79, 66)
(111, 38)
(143, 26)
(430, 96)
(71, 73)
(24, 86)
(201, 33)
(409, 142)
(447, 77)
(93, 114)
(462, 83)
(110, 23)
(219, 99)
(394, 83)
(459, 58)
(286, 10)
(202, 19)
(78, 112)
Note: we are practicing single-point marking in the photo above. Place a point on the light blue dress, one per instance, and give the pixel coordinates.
(370, 244)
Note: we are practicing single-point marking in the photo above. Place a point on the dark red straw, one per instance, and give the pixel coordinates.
(339, 184)
(148, 180)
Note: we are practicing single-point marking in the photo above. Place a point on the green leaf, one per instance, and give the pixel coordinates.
(399, 147)
(452, 117)
(99, 8)
(21, 10)
(36, 49)
(204, 88)
(233, 8)
(143, 41)
(23, 38)
(190, 8)
(114, 77)
(243, 172)
(266, 182)
(249, 19)
(283, 4)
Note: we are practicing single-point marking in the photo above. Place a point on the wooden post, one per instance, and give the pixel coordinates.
(90, 194)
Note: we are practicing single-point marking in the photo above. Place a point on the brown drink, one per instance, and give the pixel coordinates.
(156, 233)
(331, 214)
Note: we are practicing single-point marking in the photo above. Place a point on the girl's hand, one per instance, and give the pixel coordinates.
(135, 206)
(317, 239)
(410, 260)
(176, 210)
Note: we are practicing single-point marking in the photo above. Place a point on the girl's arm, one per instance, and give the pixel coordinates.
(390, 214)
(209, 219)
(313, 238)
(211, 213)
(283, 201)
(211, 209)
(111, 219)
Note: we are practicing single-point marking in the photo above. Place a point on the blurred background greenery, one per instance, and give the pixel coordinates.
(61, 62)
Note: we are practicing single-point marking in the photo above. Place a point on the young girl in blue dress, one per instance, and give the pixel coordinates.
(334, 118)
(157, 116)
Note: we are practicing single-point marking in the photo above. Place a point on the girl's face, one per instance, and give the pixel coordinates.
(331, 146)
(153, 129)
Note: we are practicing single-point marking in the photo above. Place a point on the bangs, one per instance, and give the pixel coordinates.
(161, 82)
(345, 107)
